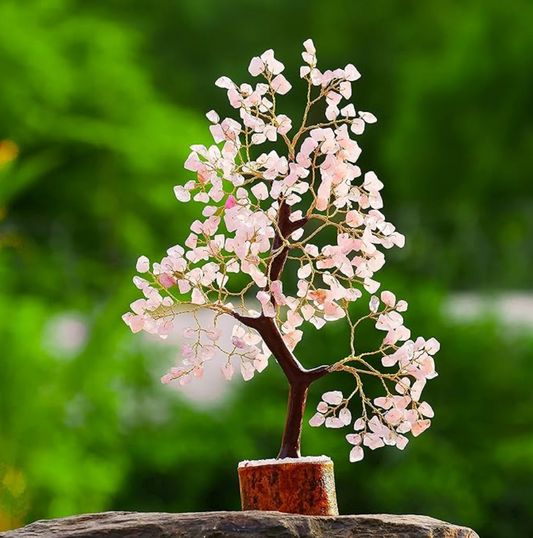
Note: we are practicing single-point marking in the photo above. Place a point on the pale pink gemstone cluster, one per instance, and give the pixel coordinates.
(389, 417)
(244, 191)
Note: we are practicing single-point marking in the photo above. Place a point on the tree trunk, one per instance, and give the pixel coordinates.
(290, 446)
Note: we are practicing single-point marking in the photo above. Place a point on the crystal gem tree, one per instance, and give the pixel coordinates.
(265, 213)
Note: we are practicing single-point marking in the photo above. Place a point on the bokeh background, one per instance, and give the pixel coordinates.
(99, 102)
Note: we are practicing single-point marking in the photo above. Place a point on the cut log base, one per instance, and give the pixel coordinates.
(303, 486)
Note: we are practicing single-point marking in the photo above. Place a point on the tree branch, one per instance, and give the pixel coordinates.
(269, 332)
(286, 227)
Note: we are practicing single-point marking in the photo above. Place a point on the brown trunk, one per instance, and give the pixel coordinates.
(290, 445)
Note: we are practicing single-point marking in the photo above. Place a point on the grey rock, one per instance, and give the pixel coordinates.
(239, 524)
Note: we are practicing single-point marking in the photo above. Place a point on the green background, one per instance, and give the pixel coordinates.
(103, 99)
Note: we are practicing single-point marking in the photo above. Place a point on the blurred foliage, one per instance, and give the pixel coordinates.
(99, 102)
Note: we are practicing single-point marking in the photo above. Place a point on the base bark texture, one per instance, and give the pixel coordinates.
(306, 488)
(238, 525)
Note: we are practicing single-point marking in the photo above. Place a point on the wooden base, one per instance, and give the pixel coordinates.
(305, 487)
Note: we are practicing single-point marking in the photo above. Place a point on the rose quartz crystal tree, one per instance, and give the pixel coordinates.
(264, 213)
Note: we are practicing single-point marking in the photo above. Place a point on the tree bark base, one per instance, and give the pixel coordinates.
(303, 486)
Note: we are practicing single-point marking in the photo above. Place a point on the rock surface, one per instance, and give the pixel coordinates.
(239, 524)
